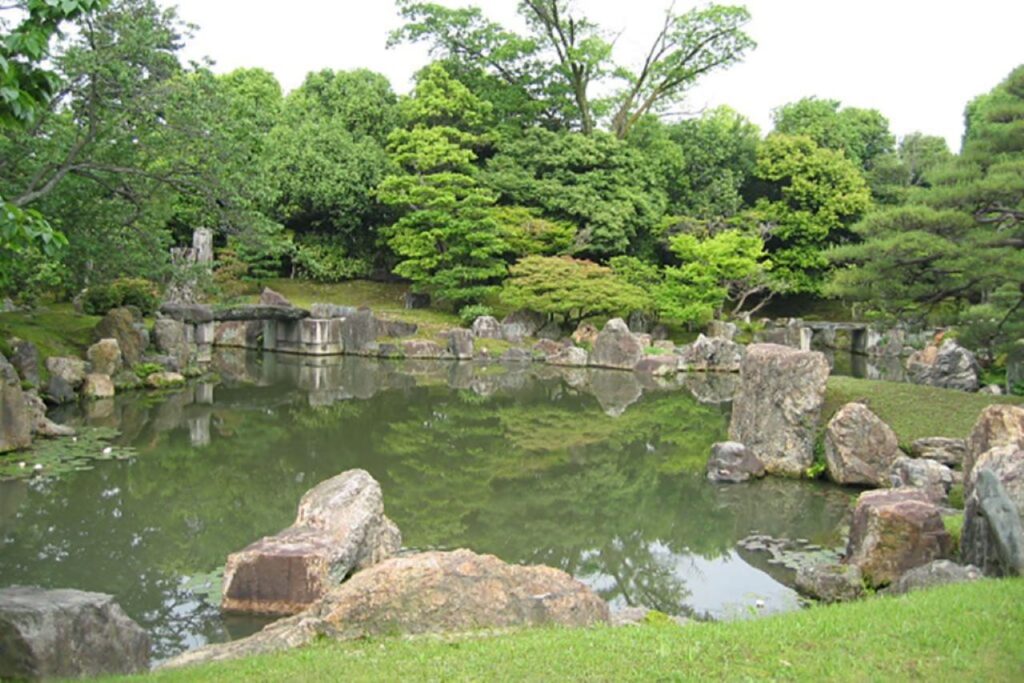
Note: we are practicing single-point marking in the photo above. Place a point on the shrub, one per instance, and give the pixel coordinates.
(467, 314)
(144, 370)
(323, 259)
(137, 292)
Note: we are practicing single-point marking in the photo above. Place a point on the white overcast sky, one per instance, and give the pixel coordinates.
(917, 61)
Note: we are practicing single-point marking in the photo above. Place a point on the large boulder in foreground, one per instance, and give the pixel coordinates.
(997, 426)
(67, 634)
(860, 448)
(433, 592)
(992, 538)
(949, 366)
(777, 411)
(616, 347)
(893, 532)
(340, 528)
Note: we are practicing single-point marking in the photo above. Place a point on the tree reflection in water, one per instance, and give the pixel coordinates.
(598, 473)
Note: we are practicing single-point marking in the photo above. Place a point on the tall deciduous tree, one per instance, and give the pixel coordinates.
(809, 195)
(861, 134)
(448, 242)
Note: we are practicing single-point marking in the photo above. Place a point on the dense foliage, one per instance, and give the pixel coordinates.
(534, 153)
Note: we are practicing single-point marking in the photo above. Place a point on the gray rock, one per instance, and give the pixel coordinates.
(518, 325)
(359, 333)
(42, 425)
(998, 425)
(658, 366)
(487, 327)
(949, 452)
(720, 329)
(571, 356)
(71, 370)
(937, 573)
(396, 328)
(59, 391)
(778, 410)
(991, 390)
(256, 312)
(547, 347)
(170, 339)
(237, 334)
(414, 300)
(929, 476)
(340, 527)
(949, 366)
(421, 348)
(994, 511)
(67, 634)
(25, 359)
(460, 343)
(15, 420)
(164, 380)
(269, 297)
(732, 462)
(193, 314)
(105, 357)
(551, 330)
(97, 385)
(328, 311)
(830, 582)
(859, 447)
(711, 354)
(616, 347)
(119, 324)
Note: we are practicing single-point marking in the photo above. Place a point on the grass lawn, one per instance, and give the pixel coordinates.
(55, 329)
(913, 411)
(956, 633)
(384, 298)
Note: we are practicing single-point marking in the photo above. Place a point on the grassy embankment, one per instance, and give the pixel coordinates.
(965, 632)
(913, 411)
(55, 329)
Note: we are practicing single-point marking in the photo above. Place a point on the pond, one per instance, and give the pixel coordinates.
(598, 473)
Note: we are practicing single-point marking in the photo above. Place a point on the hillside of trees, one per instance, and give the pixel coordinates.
(521, 167)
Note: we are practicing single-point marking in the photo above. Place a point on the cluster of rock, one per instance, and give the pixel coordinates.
(898, 526)
(335, 571)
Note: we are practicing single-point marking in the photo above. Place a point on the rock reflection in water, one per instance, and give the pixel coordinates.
(597, 472)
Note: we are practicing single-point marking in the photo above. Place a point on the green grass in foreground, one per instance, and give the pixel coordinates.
(913, 411)
(964, 632)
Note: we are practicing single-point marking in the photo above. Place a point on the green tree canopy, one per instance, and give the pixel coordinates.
(571, 288)
(448, 242)
(861, 134)
(596, 182)
(955, 252)
(809, 195)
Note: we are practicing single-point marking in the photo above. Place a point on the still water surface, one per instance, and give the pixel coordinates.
(598, 473)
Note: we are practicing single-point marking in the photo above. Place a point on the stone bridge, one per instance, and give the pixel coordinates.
(324, 330)
(857, 337)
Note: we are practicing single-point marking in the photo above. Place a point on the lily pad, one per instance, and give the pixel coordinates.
(54, 457)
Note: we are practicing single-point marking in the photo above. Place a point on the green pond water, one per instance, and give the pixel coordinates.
(598, 473)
